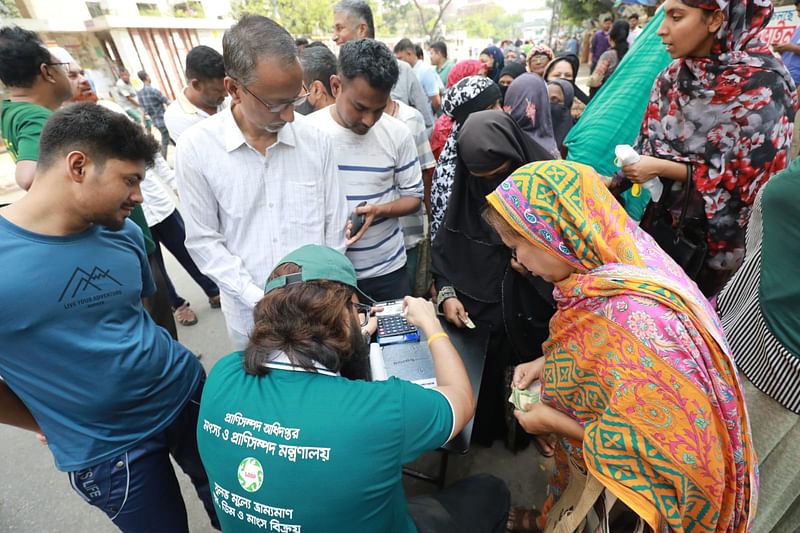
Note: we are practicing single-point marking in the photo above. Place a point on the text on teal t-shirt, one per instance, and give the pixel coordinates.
(314, 452)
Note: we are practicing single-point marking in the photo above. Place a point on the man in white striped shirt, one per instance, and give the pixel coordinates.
(255, 182)
(377, 162)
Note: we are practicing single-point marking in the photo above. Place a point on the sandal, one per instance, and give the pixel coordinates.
(185, 316)
(523, 520)
(537, 442)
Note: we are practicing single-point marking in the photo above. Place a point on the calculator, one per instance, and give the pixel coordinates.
(393, 328)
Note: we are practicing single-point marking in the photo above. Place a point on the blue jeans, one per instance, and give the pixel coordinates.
(138, 489)
(171, 232)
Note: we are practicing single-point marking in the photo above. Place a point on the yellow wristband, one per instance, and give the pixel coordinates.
(435, 336)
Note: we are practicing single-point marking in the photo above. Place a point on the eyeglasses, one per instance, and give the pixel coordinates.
(538, 59)
(73, 74)
(364, 313)
(277, 108)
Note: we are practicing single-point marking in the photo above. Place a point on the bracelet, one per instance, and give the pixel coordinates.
(436, 336)
(444, 294)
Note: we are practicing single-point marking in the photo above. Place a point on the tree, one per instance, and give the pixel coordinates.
(395, 16)
(577, 11)
(429, 20)
(487, 22)
(309, 17)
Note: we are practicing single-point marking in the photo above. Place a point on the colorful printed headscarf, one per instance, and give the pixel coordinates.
(637, 356)
(499, 61)
(528, 103)
(730, 117)
(471, 94)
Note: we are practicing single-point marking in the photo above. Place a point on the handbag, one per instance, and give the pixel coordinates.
(587, 506)
(683, 238)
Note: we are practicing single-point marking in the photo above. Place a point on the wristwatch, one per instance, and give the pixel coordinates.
(444, 294)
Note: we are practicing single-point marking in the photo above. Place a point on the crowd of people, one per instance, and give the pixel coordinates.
(309, 186)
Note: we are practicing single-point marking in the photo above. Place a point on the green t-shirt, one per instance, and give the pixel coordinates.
(445, 71)
(22, 124)
(313, 450)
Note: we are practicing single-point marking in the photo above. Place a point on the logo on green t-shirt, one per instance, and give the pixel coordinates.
(251, 474)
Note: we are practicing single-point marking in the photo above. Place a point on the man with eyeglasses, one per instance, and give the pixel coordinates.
(257, 181)
(37, 85)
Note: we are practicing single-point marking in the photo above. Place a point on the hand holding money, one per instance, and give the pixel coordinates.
(524, 399)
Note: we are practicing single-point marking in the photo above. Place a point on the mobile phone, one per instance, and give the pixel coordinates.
(357, 220)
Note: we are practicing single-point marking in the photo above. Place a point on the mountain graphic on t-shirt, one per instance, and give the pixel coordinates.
(82, 281)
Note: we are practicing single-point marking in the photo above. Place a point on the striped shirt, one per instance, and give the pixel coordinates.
(414, 225)
(378, 167)
(758, 354)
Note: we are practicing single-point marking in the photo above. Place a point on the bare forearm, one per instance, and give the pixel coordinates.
(398, 208)
(427, 181)
(13, 412)
(673, 170)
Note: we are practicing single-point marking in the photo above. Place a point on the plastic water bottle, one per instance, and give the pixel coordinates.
(626, 155)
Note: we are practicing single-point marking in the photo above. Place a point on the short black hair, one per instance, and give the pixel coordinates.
(419, 52)
(636, 15)
(253, 38)
(142, 75)
(21, 56)
(122, 69)
(319, 63)
(301, 41)
(403, 45)
(360, 10)
(316, 44)
(370, 59)
(204, 63)
(441, 46)
(100, 133)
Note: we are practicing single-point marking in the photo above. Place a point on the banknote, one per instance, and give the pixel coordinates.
(522, 398)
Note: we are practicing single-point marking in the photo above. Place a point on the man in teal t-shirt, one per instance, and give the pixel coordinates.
(291, 445)
(80, 359)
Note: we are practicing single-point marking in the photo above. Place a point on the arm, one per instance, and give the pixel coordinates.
(599, 74)
(204, 241)
(336, 211)
(427, 181)
(408, 182)
(13, 412)
(418, 100)
(650, 167)
(23, 174)
(165, 172)
(436, 103)
(451, 376)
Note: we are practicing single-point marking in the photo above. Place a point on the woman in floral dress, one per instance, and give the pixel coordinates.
(720, 117)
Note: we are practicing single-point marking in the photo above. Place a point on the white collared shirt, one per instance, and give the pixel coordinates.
(181, 114)
(158, 203)
(245, 211)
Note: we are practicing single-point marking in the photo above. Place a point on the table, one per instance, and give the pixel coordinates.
(471, 345)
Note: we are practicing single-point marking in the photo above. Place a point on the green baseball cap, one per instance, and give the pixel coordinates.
(317, 263)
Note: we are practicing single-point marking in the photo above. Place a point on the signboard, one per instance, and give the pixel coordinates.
(782, 25)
